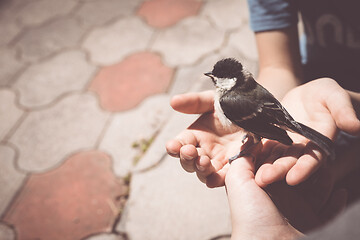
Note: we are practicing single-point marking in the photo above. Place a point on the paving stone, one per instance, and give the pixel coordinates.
(47, 135)
(10, 66)
(156, 152)
(191, 78)
(124, 85)
(226, 14)
(97, 13)
(106, 236)
(6, 233)
(37, 12)
(244, 41)
(9, 29)
(10, 179)
(79, 198)
(165, 13)
(131, 127)
(188, 41)
(42, 83)
(47, 39)
(109, 45)
(9, 112)
(175, 205)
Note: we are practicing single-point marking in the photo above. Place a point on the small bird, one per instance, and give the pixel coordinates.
(240, 100)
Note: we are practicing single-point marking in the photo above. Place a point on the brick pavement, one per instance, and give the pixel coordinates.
(84, 116)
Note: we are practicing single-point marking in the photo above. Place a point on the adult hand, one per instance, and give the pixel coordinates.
(205, 146)
(279, 209)
(321, 104)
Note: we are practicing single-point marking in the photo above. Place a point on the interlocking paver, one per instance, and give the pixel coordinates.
(79, 198)
(42, 83)
(124, 85)
(42, 41)
(37, 12)
(10, 66)
(9, 29)
(188, 41)
(165, 13)
(9, 112)
(10, 178)
(226, 14)
(244, 41)
(168, 203)
(110, 44)
(190, 77)
(129, 127)
(6, 233)
(97, 13)
(47, 135)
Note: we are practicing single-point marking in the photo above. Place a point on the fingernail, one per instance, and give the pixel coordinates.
(187, 157)
(200, 168)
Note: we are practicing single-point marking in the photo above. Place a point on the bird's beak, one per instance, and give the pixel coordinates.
(209, 74)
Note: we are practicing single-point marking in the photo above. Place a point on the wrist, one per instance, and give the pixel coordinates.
(286, 232)
(272, 77)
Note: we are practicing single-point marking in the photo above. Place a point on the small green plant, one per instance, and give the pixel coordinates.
(142, 146)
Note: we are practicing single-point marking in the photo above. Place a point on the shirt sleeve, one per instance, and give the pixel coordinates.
(267, 15)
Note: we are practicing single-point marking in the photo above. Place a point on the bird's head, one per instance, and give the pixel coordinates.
(226, 73)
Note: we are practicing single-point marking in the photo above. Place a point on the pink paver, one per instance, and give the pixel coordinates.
(165, 13)
(124, 85)
(79, 198)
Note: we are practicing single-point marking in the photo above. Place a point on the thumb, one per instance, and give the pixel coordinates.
(343, 112)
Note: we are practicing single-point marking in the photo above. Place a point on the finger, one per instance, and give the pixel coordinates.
(307, 164)
(173, 148)
(205, 167)
(277, 171)
(188, 155)
(277, 165)
(186, 137)
(193, 103)
(217, 179)
(342, 110)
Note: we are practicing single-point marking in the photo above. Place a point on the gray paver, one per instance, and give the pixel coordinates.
(10, 178)
(45, 137)
(189, 78)
(37, 12)
(110, 44)
(97, 13)
(8, 59)
(6, 233)
(40, 42)
(9, 112)
(42, 83)
(226, 14)
(188, 41)
(132, 126)
(9, 29)
(174, 206)
(244, 41)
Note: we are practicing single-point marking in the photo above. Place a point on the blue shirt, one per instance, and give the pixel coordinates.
(332, 30)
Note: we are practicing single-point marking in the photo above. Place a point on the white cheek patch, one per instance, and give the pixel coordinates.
(225, 83)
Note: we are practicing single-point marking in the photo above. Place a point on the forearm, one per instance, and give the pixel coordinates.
(280, 67)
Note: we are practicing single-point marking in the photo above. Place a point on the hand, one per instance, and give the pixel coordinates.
(321, 104)
(279, 210)
(205, 146)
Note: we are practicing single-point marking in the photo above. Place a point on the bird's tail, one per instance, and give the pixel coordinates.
(318, 139)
